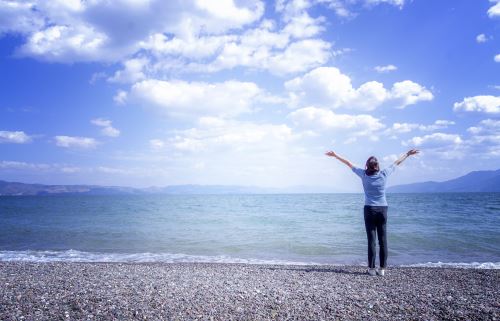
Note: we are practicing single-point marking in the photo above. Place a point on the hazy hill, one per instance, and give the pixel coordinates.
(14, 188)
(478, 181)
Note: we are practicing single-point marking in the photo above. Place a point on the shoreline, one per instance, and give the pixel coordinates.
(237, 291)
(77, 256)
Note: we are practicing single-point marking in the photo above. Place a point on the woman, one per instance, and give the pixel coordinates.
(375, 210)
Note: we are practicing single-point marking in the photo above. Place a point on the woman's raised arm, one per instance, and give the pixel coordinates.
(343, 160)
(406, 155)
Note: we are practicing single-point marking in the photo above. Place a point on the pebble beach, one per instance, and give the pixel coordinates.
(210, 291)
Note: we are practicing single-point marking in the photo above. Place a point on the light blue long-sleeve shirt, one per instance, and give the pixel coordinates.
(374, 185)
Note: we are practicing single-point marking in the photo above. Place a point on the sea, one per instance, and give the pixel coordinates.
(439, 230)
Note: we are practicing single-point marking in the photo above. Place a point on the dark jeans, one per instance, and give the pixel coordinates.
(375, 224)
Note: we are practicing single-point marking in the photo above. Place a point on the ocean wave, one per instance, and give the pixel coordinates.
(80, 256)
(101, 257)
(473, 265)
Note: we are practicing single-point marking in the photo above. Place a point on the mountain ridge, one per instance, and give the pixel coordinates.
(25, 189)
(475, 181)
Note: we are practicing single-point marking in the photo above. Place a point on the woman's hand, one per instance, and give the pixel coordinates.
(412, 152)
(331, 154)
(345, 161)
(405, 156)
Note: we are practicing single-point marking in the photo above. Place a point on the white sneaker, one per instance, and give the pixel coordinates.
(381, 272)
(372, 272)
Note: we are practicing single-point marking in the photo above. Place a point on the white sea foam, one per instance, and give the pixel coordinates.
(473, 265)
(80, 256)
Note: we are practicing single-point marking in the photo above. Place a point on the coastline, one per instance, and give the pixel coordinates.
(76, 256)
(222, 291)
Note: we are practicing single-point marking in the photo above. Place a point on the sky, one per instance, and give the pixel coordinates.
(153, 93)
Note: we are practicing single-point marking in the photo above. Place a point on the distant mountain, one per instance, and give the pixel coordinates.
(13, 188)
(234, 189)
(478, 181)
(206, 189)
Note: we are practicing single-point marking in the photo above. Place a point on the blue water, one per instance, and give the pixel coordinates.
(449, 228)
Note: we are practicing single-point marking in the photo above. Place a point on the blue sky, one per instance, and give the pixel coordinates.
(143, 93)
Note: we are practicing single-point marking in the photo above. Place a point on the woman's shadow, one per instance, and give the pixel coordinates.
(338, 270)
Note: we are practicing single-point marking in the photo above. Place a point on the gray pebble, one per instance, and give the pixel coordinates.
(197, 291)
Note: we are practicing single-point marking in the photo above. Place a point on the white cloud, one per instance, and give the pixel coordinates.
(368, 96)
(101, 122)
(185, 35)
(263, 48)
(68, 31)
(67, 44)
(121, 97)
(398, 3)
(70, 169)
(474, 130)
(390, 158)
(438, 124)
(23, 165)
(485, 104)
(435, 140)
(110, 131)
(299, 56)
(189, 35)
(491, 123)
(265, 36)
(291, 8)
(96, 77)
(481, 38)
(402, 128)
(485, 139)
(156, 144)
(328, 87)
(236, 152)
(19, 17)
(75, 142)
(409, 93)
(304, 26)
(326, 120)
(132, 71)
(26, 167)
(112, 170)
(485, 145)
(486, 126)
(218, 134)
(225, 14)
(343, 8)
(340, 8)
(181, 98)
(269, 51)
(15, 137)
(107, 128)
(385, 69)
(494, 11)
(497, 58)
(196, 47)
(66, 169)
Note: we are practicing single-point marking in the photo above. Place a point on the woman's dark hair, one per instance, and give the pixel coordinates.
(372, 166)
